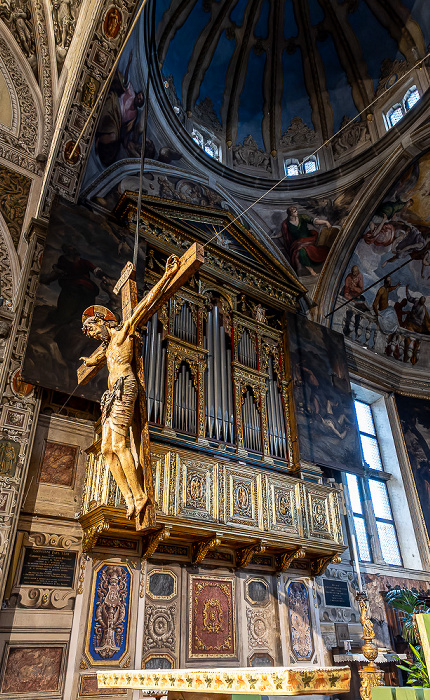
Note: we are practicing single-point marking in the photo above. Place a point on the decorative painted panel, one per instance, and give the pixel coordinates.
(107, 635)
(283, 500)
(212, 618)
(196, 488)
(242, 497)
(300, 621)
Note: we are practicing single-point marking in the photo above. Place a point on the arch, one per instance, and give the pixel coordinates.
(26, 98)
(9, 263)
(328, 285)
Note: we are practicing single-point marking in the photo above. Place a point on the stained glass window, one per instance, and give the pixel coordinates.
(395, 115)
(207, 143)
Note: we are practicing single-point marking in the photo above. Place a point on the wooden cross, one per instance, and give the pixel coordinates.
(189, 263)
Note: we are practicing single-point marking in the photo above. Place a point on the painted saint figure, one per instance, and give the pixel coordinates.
(301, 240)
(118, 402)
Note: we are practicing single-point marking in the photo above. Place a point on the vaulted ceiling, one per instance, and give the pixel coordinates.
(261, 63)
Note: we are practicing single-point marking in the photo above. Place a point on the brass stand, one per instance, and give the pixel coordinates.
(370, 675)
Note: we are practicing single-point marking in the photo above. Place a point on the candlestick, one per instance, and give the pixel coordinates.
(356, 561)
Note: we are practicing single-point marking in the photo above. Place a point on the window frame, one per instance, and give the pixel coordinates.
(206, 138)
(401, 103)
(301, 165)
(368, 514)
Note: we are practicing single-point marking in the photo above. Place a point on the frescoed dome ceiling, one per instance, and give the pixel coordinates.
(285, 72)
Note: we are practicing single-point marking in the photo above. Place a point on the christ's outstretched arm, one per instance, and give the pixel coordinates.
(172, 266)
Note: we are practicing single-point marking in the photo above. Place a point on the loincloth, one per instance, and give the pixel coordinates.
(117, 405)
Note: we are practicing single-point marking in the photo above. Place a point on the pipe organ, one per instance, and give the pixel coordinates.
(218, 374)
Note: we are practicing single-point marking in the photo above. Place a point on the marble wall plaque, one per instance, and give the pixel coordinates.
(58, 464)
(32, 670)
(336, 593)
(48, 567)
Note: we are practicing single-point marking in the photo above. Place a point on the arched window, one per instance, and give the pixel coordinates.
(294, 167)
(411, 98)
(398, 110)
(207, 142)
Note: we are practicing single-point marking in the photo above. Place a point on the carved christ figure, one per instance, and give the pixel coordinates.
(118, 402)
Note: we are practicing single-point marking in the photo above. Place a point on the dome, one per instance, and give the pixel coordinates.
(265, 80)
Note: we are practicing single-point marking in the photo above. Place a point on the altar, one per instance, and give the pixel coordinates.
(229, 682)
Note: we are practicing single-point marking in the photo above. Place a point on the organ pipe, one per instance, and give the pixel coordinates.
(275, 416)
(154, 369)
(184, 401)
(246, 351)
(219, 391)
(185, 327)
(251, 423)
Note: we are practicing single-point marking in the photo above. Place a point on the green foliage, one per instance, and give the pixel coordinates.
(407, 603)
(416, 669)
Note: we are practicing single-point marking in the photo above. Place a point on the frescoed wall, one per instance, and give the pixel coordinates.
(326, 421)
(306, 229)
(387, 280)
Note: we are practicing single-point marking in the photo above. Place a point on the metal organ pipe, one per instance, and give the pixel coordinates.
(247, 354)
(184, 402)
(185, 328)
(251, 423)
(154, 370)
(275, 416)
(219, 389)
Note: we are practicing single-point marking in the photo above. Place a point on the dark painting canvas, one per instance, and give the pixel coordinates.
(326, 422)
(83, 259)
(414, 417)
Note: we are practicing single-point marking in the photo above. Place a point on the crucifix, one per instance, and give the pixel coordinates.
(123, 405)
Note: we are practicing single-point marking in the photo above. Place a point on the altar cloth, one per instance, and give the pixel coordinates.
(248, 681)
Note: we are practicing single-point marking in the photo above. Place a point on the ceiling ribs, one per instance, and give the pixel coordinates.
(350, 55)
(273, 79)
(237, 69)
(172, 20)
(313, 71)
(396, 18)
(204, 50)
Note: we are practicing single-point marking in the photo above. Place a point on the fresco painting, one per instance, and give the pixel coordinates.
(120, 127)
(387, 280)
(306, 229)
(414, 417)
(82, 261)
(325, 413)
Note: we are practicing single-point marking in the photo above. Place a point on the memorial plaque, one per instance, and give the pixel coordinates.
(48, 567)
(336, 593)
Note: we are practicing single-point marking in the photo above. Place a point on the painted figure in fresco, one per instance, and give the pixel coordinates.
(118, 401)
(381, 234)
(386, 315)
(381, 298)
(407, 241)
(417, 319)
(8, 457)
(354, 285)
(118, 118)
(391, 210)
(301, 240)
